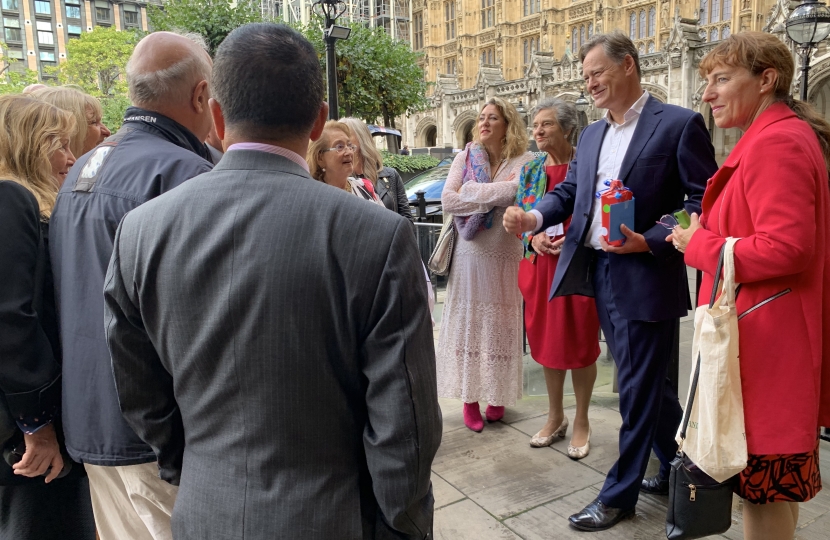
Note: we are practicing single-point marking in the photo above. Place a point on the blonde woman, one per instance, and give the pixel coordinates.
(368, 164)
(479, 353)
(89, 129)
(331, 158)
(36, 502)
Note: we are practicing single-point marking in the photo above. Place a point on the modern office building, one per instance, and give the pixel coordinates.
(524, 50)
(36, 31)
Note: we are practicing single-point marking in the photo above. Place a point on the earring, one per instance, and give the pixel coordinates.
(323, 169)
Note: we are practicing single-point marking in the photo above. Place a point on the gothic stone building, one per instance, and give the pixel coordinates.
(525, 50)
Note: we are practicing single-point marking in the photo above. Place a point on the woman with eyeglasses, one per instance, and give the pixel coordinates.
(331, 160)
(563, 333)
(89, 129)
(368, 164)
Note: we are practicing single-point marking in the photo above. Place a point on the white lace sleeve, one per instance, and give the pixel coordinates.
(475, 198)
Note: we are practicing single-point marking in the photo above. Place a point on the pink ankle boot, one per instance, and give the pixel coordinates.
(472, 417)
(493, 413)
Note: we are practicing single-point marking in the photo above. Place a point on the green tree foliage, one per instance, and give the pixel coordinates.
(211, 19)
(13, 81)
(97, 61)
(114, 109)
(407, 164)
(378, 77)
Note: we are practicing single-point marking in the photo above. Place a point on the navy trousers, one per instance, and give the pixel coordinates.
(649, 407)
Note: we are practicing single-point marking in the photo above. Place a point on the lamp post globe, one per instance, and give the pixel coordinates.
(581, 102)
(330, 10)
(808, 25)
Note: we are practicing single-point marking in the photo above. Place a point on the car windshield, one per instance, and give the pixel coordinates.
(430, 182)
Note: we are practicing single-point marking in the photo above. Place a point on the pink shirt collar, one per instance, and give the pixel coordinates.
(271, 149)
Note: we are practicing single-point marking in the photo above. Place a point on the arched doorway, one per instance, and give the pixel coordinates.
(724, 140)
(467, 132)
(430, 136)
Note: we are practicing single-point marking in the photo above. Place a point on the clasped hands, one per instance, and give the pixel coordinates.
(517, 221)
(42, 452)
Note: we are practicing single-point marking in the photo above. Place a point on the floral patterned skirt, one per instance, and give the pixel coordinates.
(780, 477)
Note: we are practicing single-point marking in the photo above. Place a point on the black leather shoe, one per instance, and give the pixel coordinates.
(655, 484)
(598, 517)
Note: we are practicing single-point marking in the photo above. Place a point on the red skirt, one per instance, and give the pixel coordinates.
(562, 333)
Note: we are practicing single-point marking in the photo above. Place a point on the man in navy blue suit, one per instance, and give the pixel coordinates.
(663, 154)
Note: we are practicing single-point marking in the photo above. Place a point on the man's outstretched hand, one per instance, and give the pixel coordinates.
(517, 221)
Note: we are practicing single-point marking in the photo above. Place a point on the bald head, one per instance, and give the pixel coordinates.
(164, 68)
(33, 88)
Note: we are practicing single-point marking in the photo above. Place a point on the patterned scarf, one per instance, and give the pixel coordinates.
(476, 169)
(532, 187)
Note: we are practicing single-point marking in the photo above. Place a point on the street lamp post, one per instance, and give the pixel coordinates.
(330, 10)
(807, 25)
(582, 105)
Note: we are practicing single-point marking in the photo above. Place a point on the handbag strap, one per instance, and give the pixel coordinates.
(725, 257)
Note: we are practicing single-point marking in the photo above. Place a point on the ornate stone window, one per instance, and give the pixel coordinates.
(642, 23)
(418, 37)
(632, 26)
(488, 13)
(449, 18)
(652, 21)
(529, 46)
(531, 7)
(488, 56)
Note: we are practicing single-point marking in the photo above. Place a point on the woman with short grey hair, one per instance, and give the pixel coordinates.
(562, 333)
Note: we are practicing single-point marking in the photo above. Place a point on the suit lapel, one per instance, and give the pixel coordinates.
(646, 125)
(592, 148)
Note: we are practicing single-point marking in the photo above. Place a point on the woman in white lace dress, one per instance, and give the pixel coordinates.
(479, 353)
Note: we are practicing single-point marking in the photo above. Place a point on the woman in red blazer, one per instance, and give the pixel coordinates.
(772, 193)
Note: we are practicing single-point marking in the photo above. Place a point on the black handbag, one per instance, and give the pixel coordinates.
(699, 505)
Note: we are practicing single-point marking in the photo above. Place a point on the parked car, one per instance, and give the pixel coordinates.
(431, 182)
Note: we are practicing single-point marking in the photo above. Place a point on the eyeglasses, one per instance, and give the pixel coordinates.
(668, 221)
(340, 148)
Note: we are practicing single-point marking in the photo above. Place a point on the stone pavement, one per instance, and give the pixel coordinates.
(493, 485)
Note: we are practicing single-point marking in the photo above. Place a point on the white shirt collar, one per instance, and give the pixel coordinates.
(634, 112)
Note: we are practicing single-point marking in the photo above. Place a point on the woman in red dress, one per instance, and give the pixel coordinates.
(563, 332)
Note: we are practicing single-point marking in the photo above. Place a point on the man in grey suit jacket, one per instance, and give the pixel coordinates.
(270, 338)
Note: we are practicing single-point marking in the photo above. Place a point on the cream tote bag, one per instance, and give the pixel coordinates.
(716, 436)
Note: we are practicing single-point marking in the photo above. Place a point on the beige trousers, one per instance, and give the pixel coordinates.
(131, 502)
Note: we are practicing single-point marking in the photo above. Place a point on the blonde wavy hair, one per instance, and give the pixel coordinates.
(83, 107)
(316, 148)
(372, 160)
(515, 139)
(30, 132)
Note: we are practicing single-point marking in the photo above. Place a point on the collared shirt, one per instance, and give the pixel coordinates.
(614, 147)
(271, 149)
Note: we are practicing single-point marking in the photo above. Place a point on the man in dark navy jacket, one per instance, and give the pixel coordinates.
(662, 153)
(158, 147)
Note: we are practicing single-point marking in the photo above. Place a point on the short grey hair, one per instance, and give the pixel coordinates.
(616, 46)
(170, 84)
(566, 115)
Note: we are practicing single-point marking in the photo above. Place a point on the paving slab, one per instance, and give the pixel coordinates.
(605, 432)
(444, 493)
(466, 521)
(551, 520)
(500, 472)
